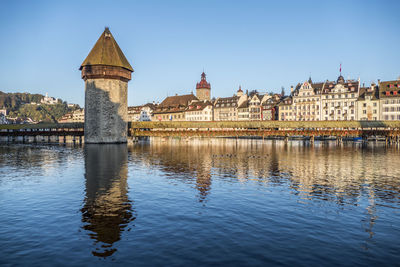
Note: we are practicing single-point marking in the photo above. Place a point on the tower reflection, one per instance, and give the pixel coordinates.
(107, 210)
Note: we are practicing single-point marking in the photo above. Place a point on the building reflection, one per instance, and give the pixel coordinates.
(107, 210)
(340, 174)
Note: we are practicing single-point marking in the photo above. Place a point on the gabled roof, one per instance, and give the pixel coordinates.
(106, 52)
(198, 105)
(178, 100)
(369, 91)
(245, 104)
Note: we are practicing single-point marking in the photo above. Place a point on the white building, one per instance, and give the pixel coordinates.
(199, 111)
(339, 99)
(49, 100)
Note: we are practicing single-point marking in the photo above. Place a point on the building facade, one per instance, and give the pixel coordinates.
(225, 108)
(199, 111)
(286, 110)
(368, 104)
(389, 94)
(307, 101)
(173, 108)
(338, 99)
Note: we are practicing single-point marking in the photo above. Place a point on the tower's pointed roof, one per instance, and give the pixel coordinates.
(107, 52)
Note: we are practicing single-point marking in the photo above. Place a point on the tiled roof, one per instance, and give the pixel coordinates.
(178, 100)
(223, 100)
(198, 105)
(389, 89)
(106, 52)
(365, 91)
(352, 85)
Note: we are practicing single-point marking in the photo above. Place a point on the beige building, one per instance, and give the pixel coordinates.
(368, 106)
(307, 101)
(339, 99)
(225, 108)
(75, 116)
(389, 94)
(286, 110)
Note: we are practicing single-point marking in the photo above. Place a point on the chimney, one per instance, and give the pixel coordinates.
(379, 82)
(291, 89)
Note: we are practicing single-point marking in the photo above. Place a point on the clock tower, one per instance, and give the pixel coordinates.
(203, 89)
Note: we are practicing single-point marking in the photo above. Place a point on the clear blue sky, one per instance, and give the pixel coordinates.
(261, 45)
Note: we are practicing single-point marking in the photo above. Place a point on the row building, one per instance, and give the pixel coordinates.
(337, 100)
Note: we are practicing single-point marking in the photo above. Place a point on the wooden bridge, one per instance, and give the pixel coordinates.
(46, 132)
(387, 130)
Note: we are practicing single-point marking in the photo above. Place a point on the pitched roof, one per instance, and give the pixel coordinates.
(198, 105)
(178, 100)
(389, 88)
(369, 91)
(107, 52)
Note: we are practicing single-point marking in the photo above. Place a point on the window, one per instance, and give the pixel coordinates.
(364, 105)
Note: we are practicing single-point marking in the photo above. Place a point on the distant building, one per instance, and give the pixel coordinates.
(307, 101)
(75, 116)
(286, 109)
(255, 106)
(339, 99)
(368, 104)
(199, 111)
(134, 113)
(141, 113)
(225, 108)
(269, 108)
(49, 100)
(78, 115)
(389, 94)
(203, 89)
(173, 108)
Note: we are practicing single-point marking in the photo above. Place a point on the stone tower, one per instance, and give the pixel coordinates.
(203, 89)
(106, 73)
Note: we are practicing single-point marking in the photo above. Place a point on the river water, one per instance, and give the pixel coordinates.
(211, 202)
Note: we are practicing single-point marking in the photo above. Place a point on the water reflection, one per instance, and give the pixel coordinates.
(107, 211)
(344, 175)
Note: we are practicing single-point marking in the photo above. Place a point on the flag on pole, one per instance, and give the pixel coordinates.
(340, 68)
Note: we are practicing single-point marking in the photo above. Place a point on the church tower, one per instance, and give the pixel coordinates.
(203, 89)
(106, 73)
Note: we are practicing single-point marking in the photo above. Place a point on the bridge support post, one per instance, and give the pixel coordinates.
(65, 139)
(80, 140)
(312, 139)
(286, 139)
